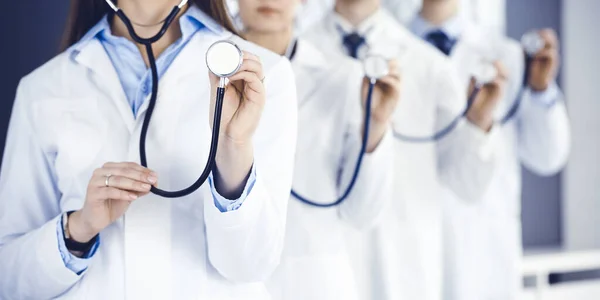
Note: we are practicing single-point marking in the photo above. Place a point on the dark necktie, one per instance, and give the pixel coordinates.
(353, 42)
(441, 41)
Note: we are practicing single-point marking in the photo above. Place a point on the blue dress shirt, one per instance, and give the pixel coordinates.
(136, 80)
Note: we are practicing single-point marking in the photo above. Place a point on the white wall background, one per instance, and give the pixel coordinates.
(581, 77)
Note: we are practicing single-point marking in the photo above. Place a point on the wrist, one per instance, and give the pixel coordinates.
(376, 132)
(78, 230)
(233, 164)
(483, 122)
(539, 87)
(540, 84)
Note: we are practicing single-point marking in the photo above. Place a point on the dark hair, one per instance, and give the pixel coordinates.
(84, 14)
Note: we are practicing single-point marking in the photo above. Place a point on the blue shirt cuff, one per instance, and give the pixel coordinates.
(224, 204)
(546, 98)
(76, 264)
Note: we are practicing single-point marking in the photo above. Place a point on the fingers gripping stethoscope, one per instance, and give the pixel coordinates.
(223, 59)
(484, 73)
(374, 68)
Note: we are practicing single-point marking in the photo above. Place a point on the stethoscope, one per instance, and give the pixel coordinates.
(484, 73)
(375, 67)
(223, 58)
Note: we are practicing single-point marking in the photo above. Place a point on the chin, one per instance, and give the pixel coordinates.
(269, 27)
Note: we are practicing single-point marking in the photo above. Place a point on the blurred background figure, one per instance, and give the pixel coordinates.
(331, 93)
(490, 13)
(401, 258)
(482, 240)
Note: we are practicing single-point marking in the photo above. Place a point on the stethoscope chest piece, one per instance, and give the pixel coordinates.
(375, 67)
(532, 43)
(224, 58)
(483, 72)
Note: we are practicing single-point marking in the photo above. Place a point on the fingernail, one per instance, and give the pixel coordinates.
(133, 196)
(146, 186)
(152, 179)
(152, 173)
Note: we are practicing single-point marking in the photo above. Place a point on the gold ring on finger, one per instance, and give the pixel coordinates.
(107, 180)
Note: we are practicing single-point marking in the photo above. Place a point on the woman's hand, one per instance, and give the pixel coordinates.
(546, 63)
(386, 96)
(482, 112)
(105, 204)
(242, 108)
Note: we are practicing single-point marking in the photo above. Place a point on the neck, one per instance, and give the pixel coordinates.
(437, 12)
(277, 41)
(356, 11)
(148, 18)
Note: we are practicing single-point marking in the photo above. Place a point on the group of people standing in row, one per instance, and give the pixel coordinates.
(426, 219)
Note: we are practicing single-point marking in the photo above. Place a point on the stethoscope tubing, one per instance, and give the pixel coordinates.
(211, 161)
(361, 155)
(510, 114)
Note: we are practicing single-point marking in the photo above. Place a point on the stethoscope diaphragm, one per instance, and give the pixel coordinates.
(532, 43)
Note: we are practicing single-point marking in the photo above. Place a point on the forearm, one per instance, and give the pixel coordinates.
(377, 131)
(33, 266)
(233, 165)
(374, 185)
(467, 161)
(245, 245)
(544, 132)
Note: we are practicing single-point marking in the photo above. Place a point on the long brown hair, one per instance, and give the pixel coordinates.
(84, 14)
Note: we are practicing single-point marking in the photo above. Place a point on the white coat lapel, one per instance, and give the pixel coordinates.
(310, 67)
(189, 62)
(94, 57)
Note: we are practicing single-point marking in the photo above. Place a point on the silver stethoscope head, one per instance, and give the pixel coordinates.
(532, 43)
(115, 8)
(224, 59)
(375, 67)
(484, 72)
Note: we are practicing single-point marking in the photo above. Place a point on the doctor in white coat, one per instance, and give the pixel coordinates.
(331, 95)
(402, 257)
(83, 110)
(483, 239)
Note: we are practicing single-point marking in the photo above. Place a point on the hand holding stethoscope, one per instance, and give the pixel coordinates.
(545, 61)
(385, 98)
(380, 96)
(243, 102)
(481, 112)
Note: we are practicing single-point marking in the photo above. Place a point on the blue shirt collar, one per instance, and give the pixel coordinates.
(453, 28)
(192, 20)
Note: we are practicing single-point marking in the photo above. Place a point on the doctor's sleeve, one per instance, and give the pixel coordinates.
(31, 266)
(466, 157)
(544, 131)
(245, 245)
(374, 184)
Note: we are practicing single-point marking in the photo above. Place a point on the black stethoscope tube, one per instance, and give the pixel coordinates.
(361, 155)
(210, 164)
(510, 114)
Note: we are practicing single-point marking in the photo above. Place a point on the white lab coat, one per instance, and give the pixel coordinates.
(402, 257)
(483, 241)
(490, 13)
(71, 116)
(315, 264)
